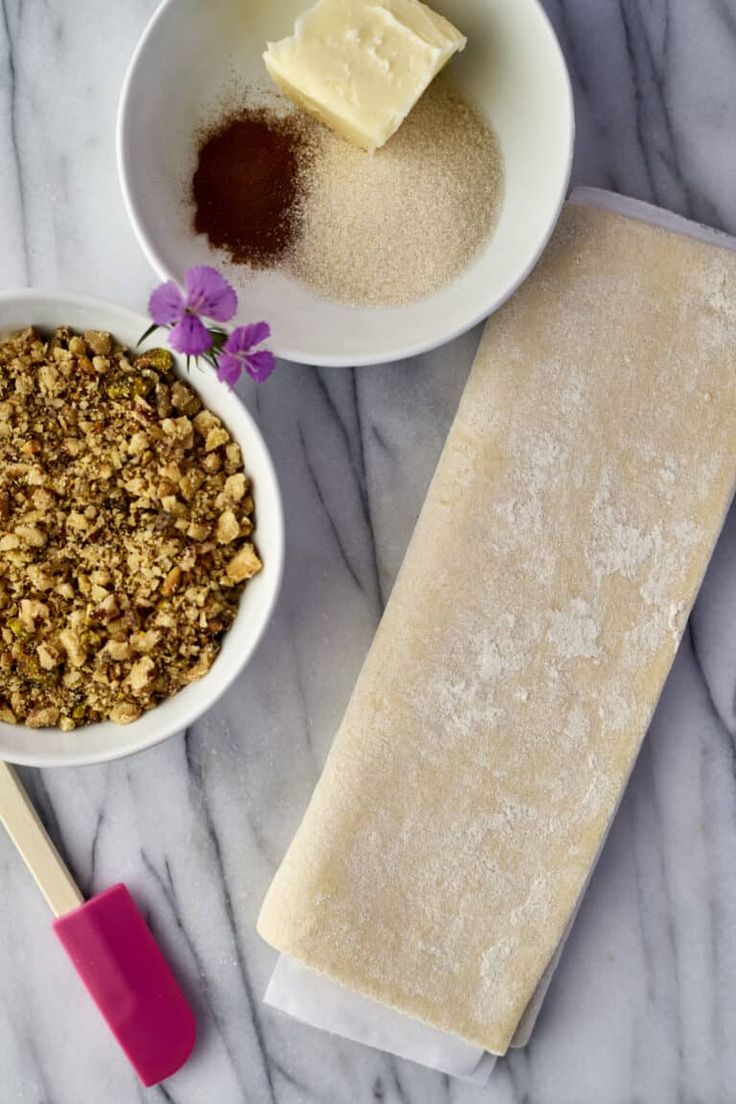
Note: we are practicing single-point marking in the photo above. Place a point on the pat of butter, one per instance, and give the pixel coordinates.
(360, 65)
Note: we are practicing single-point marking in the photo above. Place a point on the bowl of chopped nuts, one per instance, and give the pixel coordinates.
(141, 534)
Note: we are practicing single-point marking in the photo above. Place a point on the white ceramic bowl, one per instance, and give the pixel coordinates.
(99, 742)
(512, 67)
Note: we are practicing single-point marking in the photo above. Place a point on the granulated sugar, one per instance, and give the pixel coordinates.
(395, 226)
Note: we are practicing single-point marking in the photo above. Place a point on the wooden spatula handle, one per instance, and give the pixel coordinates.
(32, 840)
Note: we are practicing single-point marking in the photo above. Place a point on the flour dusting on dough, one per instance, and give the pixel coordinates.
(574, 631)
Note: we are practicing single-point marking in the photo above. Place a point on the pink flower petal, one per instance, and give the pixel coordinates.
(242, 339)
(260, 365)
(190, 337)
(166, 304)
(229, 369)
(209, 294)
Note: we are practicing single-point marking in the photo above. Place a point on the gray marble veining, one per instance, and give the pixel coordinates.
(643, 1007)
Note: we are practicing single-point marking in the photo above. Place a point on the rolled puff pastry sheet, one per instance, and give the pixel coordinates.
(509, 686)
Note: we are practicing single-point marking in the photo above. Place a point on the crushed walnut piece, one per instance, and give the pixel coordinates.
(126, 525)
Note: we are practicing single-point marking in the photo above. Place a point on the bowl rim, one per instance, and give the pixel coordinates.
(339, 360)
(62, 758)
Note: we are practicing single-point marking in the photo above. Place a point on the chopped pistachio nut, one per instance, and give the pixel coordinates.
(228, 528)
(243, 565)
(141, 673)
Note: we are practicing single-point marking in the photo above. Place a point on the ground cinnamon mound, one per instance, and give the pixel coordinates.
(248, 183)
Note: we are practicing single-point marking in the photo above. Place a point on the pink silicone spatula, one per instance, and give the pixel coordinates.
(110, 946)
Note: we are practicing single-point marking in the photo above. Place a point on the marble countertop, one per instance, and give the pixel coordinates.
(643, 1007)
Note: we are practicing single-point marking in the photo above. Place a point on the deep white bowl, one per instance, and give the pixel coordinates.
(512, 68)
(46, 747)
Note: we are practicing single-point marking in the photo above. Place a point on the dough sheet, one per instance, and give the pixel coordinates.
(529, 633)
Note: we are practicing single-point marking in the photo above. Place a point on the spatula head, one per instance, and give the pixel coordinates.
(130, 981)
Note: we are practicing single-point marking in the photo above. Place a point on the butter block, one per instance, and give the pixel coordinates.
(359, 66)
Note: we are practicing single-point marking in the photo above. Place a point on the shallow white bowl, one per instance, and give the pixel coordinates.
(512, 68)
(47, 747)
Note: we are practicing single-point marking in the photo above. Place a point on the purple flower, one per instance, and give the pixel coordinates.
(237, 354)
(207, 294)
